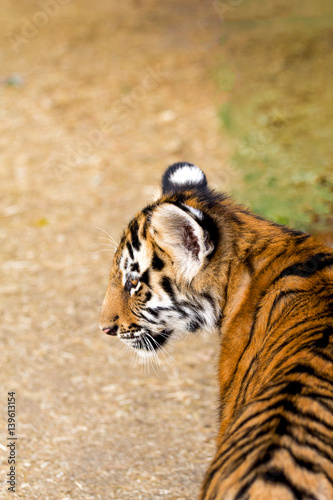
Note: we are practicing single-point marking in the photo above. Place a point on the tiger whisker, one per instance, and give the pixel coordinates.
(112, 242)
(109, 235)
(152, 350)
(104, 250)
(161, 350)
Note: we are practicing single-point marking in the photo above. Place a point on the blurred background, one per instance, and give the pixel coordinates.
(95, 102)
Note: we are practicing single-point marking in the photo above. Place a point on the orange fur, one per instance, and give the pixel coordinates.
(273, 290)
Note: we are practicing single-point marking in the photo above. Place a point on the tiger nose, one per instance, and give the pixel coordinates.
(111, 330)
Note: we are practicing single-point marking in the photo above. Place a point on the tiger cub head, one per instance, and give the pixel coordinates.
(160, 283)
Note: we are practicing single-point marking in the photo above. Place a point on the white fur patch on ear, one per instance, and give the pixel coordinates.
(180, 236)
(195, 211)
(183, 176)
(186, 174)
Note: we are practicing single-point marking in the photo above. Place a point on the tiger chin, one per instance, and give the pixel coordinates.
(195, 260)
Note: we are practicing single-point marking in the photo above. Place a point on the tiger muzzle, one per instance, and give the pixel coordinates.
(111, 330)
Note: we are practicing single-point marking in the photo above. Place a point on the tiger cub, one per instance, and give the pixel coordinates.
(195, 260)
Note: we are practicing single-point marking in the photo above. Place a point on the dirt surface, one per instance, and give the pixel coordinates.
(95, 102)
(277, 66)
(94, 105)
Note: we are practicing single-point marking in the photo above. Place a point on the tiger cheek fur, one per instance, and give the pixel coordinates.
(195, 260)
(159, 306)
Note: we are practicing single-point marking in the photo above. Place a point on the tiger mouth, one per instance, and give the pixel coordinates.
(145, 341)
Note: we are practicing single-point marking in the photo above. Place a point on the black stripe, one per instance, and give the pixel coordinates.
(320, 400)
(149, 320)
(167, 287)
(210, 299)
(310, 266)
(134, 228)
(308, 370)
(275, 349)
(153, 312)
(300, 348)
(133, 326)
(277, 476)
(291, 408)
(248, 262)
(282, 426)
(324, 339)
(292, 387)
(318, 438)
(324, 355)
(130, 250)
(254, 448)
(273, 474)
(157, 263)
(303, 463)
(217, 469)
(241, 492)
(161, 338)
(282, 429)
(317, 395)
(292, 310)
(286, 229)
(300, 238)
(278, 299)
(295, 387)
(286, 405)
(193, 326)
(135, 267)
(145, 228)
(293, 232)
(241, 423)
(147, 213)
(245, 443)
(145, 277)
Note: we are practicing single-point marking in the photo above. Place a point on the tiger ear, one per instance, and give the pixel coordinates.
(182, 238)
(183, 176)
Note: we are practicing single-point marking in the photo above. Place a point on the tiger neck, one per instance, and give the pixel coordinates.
(259, 252)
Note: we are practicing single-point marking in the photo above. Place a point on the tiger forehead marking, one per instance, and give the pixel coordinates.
(196, 260)
(133, 255)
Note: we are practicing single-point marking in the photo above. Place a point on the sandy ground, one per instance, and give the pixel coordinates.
(95, 103)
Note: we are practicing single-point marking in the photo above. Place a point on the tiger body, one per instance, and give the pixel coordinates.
(195, 260)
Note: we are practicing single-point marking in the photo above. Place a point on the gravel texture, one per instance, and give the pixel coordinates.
(95, 102)
(94, 105)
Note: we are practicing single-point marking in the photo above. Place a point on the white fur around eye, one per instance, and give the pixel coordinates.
(134, 290)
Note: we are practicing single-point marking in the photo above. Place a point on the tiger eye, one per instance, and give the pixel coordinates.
(131, 283)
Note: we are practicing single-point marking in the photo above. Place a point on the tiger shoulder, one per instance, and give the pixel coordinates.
(196, 260)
